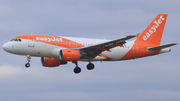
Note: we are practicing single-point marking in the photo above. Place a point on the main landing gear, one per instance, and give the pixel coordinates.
(90, 66)
(77, 69)
(28, 59)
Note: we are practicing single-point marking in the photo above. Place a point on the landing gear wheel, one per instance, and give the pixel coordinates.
(90, 66)
(28, 59)
(27, 65)
(77, 70)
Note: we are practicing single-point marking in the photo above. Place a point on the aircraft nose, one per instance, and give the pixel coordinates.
(5, 47)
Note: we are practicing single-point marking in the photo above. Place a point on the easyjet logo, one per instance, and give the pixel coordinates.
(153, 28)
(49, 39)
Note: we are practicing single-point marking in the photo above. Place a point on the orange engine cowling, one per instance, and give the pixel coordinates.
(69, 55)
(51, 62)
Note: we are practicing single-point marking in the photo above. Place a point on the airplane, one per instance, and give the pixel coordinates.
(57, 50)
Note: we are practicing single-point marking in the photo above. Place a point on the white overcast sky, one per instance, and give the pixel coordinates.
(154, 78)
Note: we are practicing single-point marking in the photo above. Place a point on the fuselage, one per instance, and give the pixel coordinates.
(49, 46)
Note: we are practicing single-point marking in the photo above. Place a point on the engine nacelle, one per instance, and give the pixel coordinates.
(51, 62)
(69, 55)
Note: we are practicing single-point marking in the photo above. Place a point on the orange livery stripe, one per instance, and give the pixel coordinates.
(52, 40)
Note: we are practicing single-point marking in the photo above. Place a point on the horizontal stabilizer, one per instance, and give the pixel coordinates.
(161, 47)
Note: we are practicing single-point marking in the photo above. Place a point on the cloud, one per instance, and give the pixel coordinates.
(8, 71)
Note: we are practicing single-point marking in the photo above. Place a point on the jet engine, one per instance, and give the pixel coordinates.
(69, 55)
(51, 62)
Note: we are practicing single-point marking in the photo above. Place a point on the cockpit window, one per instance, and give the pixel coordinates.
(12, 40)
(18, 40)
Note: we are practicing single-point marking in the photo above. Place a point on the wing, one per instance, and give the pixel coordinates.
(90, 52)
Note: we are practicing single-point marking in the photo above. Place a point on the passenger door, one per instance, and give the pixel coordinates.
(30, 41)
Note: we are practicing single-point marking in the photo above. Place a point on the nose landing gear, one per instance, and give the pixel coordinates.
(28, 59)
(27, 65)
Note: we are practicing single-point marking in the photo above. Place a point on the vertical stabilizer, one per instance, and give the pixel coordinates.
(153, 33)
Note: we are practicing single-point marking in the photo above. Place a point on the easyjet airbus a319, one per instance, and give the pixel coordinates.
(57, 50)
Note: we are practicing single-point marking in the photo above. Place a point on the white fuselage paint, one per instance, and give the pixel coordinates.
(40, 49)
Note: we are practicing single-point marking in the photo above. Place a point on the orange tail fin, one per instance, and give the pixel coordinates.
(153, 33)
